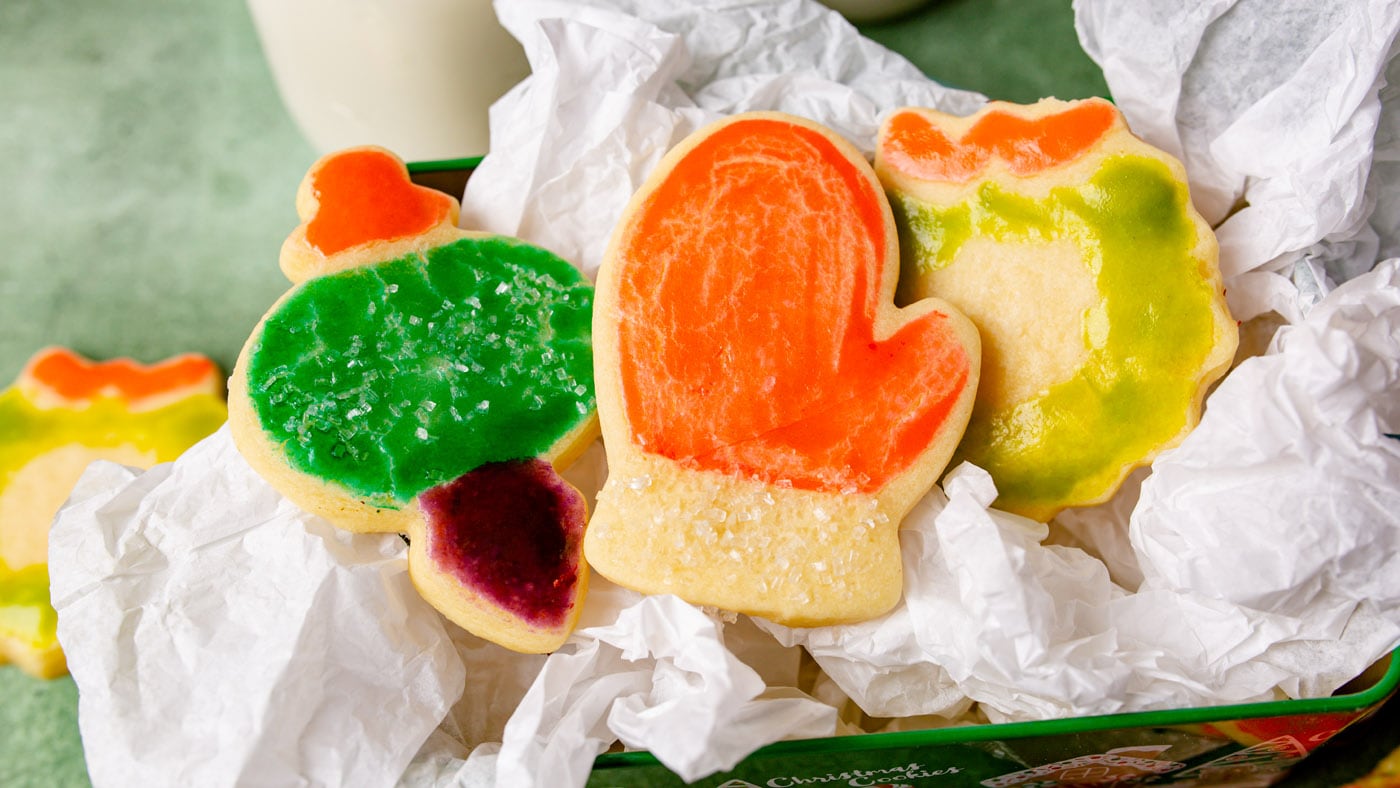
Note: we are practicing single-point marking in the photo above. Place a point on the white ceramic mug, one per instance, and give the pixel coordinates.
(415, 76)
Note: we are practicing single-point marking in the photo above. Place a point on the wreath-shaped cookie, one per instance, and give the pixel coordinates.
(1074, 247)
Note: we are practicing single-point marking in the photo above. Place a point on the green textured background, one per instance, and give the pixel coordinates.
(147, 176)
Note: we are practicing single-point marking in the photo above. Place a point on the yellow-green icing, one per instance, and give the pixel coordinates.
(1131, 221)
(27, 431)
(26, 615)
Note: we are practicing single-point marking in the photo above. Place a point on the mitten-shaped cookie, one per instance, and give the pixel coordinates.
(62, 413)
(425, 380)
(1074, 247)
(769, 415)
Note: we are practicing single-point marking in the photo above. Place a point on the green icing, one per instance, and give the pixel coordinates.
(25, 611)
(396, 377)
(1130, 396)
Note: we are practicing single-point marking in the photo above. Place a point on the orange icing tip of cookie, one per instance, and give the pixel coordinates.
(359, 207)
(67, 377)
(363, 195)
(915, 146)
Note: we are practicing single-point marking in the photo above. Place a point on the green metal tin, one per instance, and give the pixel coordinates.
(448, 176)
(1255, 743)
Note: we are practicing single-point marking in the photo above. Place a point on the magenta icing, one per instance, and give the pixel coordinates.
(510, 531)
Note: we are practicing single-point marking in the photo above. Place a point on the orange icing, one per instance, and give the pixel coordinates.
(916, 147)
(73, 377)
(749, 286)
(365, 195)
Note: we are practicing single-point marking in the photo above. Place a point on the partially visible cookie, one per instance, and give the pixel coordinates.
(425, 380)
(1074, 247)
(62, 413)
(769, 415)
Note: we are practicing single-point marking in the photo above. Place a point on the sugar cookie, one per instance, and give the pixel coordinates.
(769, 415)
(1074, 248)
(62, 413)
(425, 380)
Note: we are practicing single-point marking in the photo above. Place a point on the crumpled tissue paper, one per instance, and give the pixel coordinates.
(221, 636)
(1269, 541)
(1275, 109)
(617, 83)
(193, 595)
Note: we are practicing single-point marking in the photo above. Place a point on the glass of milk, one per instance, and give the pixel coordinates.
(415, 76)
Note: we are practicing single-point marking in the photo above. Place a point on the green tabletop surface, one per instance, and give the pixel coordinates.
(149, 171)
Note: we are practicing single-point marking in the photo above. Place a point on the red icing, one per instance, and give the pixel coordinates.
(749, 283)
(73, 377)
(510, 531)
(1309, 730)
(915, 146)
(365, 195)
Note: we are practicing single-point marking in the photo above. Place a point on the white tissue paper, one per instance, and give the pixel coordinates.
(658, 677)
(1274, 108)
(218, 634)
(617, 83)
(1269, 540)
